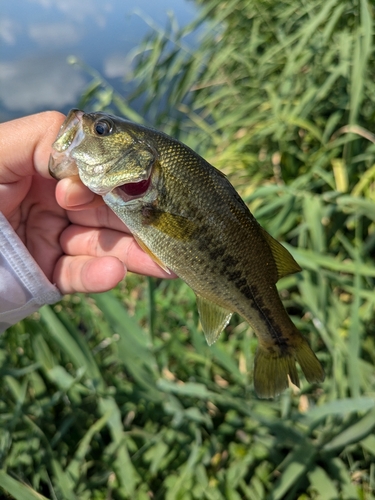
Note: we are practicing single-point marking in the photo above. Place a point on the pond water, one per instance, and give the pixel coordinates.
(38, 36)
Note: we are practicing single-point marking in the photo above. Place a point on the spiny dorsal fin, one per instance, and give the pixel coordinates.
(213, 318)
(285, 263)
(151, 254)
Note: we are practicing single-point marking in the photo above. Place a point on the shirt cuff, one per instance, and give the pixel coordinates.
(24, 288)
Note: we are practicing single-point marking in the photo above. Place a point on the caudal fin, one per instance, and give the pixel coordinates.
(271, 368)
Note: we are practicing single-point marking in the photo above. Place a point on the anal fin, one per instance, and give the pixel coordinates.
(213, 318)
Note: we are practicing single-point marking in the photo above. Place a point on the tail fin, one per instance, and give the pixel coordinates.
(271, 369)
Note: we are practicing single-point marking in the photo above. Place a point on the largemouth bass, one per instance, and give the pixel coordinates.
(188, 217)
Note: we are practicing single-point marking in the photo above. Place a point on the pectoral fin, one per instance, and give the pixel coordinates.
(284, 261)
(152, 255)
(213, 318)
(173, 225)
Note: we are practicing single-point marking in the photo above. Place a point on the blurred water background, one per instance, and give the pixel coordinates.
(37, 37)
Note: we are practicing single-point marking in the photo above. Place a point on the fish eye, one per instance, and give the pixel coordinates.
(103, 127)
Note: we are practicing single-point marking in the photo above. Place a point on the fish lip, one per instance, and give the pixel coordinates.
(60, 164)
(73, 119)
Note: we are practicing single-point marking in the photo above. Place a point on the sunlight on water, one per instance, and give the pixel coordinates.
(37, 36)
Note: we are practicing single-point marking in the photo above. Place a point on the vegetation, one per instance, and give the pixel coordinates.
(117, 396)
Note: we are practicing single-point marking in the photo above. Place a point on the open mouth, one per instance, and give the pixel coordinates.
(131, 190)
(136, 189)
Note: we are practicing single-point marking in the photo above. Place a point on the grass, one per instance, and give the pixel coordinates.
(117, 396)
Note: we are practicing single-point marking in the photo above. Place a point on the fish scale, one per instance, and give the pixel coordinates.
(188, 217)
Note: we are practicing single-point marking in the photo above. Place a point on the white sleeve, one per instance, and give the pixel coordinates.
(24, 288)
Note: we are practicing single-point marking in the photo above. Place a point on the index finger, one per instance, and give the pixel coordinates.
(72, 194)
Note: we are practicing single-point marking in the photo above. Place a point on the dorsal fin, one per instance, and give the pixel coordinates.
(284, 261)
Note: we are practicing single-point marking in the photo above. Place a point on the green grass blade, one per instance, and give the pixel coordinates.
(340, 407)
(80, 356)
(322, 484)
(134, 344)
(352, 434)
(296, 466)
(18, 490)
(126, 473)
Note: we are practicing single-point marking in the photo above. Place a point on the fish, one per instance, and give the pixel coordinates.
(189, 218)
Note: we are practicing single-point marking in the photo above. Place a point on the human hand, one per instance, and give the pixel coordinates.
(79, 244)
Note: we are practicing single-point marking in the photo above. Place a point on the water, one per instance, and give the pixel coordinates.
(37, 37)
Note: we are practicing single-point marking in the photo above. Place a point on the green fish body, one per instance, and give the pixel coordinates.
(190, 219)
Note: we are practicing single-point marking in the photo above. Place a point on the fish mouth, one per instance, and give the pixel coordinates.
(136, 188)
(60, 163)
(131, 190)
(101, 179)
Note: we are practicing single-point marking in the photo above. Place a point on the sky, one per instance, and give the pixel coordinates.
(38, 36)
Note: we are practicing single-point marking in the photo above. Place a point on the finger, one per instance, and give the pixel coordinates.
(26, 143)
(100, 217)
(88, 274)
(78, 240)
(71, 194)
(84, 207)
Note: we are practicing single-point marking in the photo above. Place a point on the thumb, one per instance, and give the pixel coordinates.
(25, 145)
